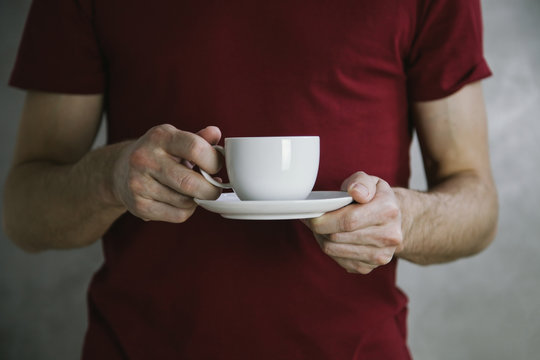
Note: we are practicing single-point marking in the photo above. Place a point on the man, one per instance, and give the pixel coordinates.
(180, 283)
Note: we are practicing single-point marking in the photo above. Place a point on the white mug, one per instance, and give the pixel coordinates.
(270, 168)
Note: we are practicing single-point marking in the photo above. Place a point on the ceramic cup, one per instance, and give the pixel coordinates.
(270, 168)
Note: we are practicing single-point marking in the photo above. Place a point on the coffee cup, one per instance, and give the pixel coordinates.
(270, 168)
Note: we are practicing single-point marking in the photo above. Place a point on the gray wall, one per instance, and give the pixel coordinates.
(486, 307)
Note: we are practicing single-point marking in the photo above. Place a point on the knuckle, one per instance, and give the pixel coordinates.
(382, 259)
(336, 237)
(196, 146)
(390, 235)
(168, 128)
(362, 269)
(140, 206)
(392, 210)
(349, 222)
(394, 237)
(383, 183)
(358, 176)
(138, 158)
(135, 185)
(314, 224)
(160, 133)
(327, 248)
(184, 214)
(360, 173)
(143, 158)
(365, 178)
(188, 184)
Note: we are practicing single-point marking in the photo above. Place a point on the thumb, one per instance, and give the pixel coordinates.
(361, 187)
(212, 134)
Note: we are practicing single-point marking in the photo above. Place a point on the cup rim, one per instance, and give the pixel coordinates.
(272, 137)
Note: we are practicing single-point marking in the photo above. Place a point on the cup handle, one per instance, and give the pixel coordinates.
(209, 178)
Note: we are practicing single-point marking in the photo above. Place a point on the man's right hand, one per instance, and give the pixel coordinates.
(154, 177)
(73, 193)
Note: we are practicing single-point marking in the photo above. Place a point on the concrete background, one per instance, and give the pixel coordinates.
(486, 307)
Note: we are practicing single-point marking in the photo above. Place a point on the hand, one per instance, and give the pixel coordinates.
(154, 176)
(364, 235)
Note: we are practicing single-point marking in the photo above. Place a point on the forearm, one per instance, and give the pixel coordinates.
(454, 219)
(52, 206)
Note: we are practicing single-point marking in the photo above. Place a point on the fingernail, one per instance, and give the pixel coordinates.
(361, 190)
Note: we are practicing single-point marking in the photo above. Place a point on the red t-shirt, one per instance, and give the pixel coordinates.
(344, 70)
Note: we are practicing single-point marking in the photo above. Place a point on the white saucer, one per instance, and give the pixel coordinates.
(318, 202)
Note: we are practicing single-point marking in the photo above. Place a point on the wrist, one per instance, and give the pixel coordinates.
(102, 164)
(406, 202)
(117, 173)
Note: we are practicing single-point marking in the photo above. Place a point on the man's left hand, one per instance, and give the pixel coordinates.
(366, 234)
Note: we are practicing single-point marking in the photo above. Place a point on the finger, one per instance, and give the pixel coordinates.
(354, 267)
(195, 148)
(152, 189)
(387, 204)
(361, 186)
(351, 265)
(381, 210)
(347, 219)
(387, 235)
(366, 254)
(148, 209)
(185, 181)
(212, 134)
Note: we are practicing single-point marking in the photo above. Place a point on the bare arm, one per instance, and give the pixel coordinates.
(60, 194)
(57, 195)
(456, 217)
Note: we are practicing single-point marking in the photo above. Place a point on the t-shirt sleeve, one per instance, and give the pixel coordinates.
(447, 52)
(59, 51)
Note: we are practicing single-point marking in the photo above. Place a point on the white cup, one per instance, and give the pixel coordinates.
(270, 168)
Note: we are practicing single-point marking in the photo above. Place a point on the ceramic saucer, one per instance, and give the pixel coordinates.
(230, 206)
